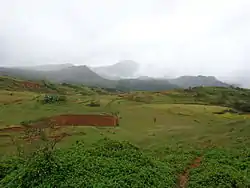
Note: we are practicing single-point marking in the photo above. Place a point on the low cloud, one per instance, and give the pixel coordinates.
(177, 36)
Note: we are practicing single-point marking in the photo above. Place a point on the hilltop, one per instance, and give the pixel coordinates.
(78, 75)
(195, 81)
(72, 74)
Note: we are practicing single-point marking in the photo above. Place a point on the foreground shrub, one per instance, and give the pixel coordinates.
(222, 168)
(120, 164)
(107, 164)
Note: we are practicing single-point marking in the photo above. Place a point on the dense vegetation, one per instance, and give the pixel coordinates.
(120, 164)
(236, 98)
(108, 164)
(223, 168)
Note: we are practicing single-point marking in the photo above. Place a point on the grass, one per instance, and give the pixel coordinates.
(196, 123)
(155, 152)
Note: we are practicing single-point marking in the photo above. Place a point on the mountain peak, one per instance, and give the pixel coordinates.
(126, 62)
(124, 68)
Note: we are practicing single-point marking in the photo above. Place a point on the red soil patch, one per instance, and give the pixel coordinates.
(31, 85)
(196, 163)
(67, 120)
(12, 129)
(183, 178)
(91, 120)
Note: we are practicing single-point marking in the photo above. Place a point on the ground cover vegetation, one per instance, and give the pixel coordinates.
(195, 137)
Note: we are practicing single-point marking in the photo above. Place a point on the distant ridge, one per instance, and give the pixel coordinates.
(195, 81)
(72, 74)
(48, 67)
(78, 75)
(66, 73)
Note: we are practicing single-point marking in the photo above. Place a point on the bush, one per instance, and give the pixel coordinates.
(108, 164)
(49, 99)
(94, 103)
(242, 106)
(50, 85)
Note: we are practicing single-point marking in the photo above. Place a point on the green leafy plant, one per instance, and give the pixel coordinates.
(222, 168)
(106, 164)
(49, 99)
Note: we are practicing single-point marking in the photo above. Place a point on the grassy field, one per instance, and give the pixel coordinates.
(185, 128)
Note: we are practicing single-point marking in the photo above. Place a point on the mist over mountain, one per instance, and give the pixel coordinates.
(128, 69)
(78, 75)
(166, 38)
(239, 77)
(22, 73)
(58, 74)
(122, 69)
(120, 76)
(48, 67)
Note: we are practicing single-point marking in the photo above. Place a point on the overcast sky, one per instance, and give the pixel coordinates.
(165, 36)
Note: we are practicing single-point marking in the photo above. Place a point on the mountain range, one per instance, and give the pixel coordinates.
(117, 76)
(48, 67)
(71, 74)
(194, 81)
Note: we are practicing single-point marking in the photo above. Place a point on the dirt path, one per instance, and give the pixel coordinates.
(184, 177)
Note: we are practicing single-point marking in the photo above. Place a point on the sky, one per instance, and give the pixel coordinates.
(166, 37)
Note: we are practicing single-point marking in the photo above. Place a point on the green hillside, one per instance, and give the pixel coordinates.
(44, 86)
(196, 137)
